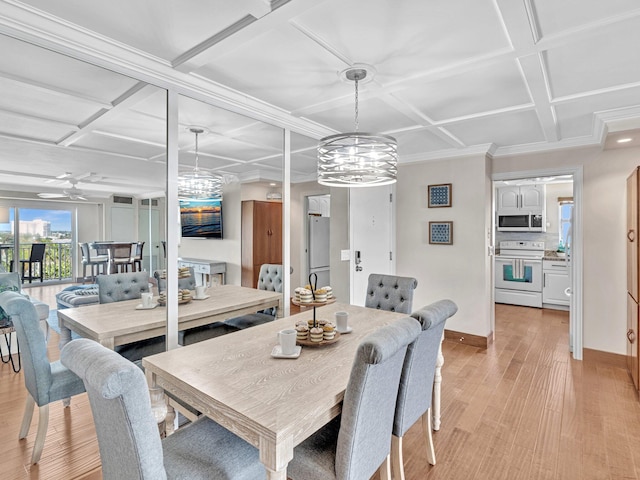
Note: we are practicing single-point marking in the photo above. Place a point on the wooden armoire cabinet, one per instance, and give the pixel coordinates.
(261, 238)
(633, 294)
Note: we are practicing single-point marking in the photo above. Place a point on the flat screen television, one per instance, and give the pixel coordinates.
(201, 218)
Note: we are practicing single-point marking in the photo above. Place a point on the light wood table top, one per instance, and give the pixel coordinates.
(272, 403)
(118, 323)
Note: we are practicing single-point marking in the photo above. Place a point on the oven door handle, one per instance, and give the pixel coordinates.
(527, 260)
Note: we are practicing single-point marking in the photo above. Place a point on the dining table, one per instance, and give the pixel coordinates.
(112, 249)
(118, 323)
(272, 403)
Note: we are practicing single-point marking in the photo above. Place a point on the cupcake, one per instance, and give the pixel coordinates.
(329, 291)
(310, 322)
(306, 296)
(316, 334)
(321, 295)
(329, 331)
(296, 294)
(322, 322)
(301, 322)
(302, 332)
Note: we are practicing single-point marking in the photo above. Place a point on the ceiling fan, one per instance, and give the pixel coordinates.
(73, 193)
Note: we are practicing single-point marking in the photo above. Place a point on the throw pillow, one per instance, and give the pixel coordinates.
(5, 319)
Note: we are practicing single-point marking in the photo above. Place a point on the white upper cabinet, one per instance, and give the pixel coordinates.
(523, 199)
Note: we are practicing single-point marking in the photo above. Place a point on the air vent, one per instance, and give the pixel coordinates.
(145, 202)
(121, 199)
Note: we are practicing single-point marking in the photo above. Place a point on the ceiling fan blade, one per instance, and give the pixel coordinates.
(51, 195)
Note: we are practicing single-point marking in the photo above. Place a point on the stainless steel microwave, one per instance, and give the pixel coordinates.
(521, 222)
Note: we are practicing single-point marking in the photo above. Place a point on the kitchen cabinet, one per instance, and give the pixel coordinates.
(261, 238)
(555, 283)
(632, 277)
(522, 199)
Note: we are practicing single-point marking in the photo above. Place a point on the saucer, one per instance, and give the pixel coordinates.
(142, 307)
(277, 352)
(344, 332)
(200, 298)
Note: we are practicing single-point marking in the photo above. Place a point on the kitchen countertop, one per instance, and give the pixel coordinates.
(553, 255)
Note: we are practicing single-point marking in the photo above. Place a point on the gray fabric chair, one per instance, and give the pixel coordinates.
(416, 383)
(390, 292)
(269, 279)
(46, 382)
(118, 287)
(188, 283)
(355, 445)
(128, 439)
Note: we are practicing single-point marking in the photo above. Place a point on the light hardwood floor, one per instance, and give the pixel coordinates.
(523, 409)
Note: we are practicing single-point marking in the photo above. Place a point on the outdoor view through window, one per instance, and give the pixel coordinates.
(51, 227)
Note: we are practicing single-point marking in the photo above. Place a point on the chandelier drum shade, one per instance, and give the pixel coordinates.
(357, 159)
(199, 184)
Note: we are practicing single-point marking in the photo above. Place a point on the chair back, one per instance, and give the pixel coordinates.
(33, 346)
(416, 383)
(188, 283)
(364, 439)
(118, 287)
(138, 250)
(390, 292)
(128, 439)
(270, 279)
(124, 251)
(37, 252)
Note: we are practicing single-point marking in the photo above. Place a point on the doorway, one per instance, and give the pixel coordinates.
(557, 233)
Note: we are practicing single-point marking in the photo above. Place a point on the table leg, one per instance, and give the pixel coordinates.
(65, 335)
(275, 457)
(437, 383)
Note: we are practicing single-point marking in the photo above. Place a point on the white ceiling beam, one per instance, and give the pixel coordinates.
(39, 118)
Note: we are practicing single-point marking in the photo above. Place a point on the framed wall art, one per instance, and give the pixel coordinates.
(439, 195)
(441, 233)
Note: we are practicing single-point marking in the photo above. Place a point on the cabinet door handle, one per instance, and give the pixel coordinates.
(631, 235)
(631, 336)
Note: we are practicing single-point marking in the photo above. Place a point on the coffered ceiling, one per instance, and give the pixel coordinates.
(451, 77)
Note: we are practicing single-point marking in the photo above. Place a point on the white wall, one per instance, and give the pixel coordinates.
(604, 229)
(462, 271)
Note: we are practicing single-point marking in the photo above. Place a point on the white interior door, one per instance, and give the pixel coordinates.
(371, 222)
(149, 233)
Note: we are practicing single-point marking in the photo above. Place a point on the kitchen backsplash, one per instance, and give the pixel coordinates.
(550, 239)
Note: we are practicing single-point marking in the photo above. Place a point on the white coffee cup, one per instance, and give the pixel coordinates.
(287, 340)
(201, 291)
(147, 299)
(342, 321)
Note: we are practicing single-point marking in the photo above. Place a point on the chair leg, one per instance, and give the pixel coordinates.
(397, 460)
(43, 424)
(426, 426)
(385, 469)
(26, 418)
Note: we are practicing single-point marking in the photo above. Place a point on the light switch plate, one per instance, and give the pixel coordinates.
(345, 255)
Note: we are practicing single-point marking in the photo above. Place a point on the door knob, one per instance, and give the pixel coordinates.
(358, 268)
(631, 235)
(631, 336)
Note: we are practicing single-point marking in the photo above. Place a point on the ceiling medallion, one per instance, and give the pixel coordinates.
(357, 159)
(199, 184)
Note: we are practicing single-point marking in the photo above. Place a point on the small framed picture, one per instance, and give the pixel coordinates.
(441, 233)
(439, 195)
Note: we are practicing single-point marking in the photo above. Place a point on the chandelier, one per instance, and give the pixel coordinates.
(199, 184)
(357, 159)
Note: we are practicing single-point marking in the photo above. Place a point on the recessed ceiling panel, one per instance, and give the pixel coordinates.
(555, 16)
(605, 60)
(505, 130)
(282, 67)
(576, 117)
(123, 146)
(163, 28)
(419, 141)
(486, 88)
(401, 38)
(31, 128)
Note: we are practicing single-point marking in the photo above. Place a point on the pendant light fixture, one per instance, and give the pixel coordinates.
(199, 184)
(357, 159)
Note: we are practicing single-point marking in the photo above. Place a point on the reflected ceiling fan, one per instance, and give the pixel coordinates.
(73, 193)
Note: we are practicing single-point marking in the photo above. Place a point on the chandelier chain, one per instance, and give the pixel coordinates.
(356, 119)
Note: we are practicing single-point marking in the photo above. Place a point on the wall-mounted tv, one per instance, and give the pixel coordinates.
(201, 218)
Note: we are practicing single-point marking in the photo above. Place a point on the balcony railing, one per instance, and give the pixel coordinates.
(58, 261)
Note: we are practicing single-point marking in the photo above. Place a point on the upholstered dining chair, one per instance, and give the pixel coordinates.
(123, 256)
(416, 383)
(128, 440)
(119, 287)
(187, 282)
(390, 292)
(356, 444)
(137, 256)
(46, 382)
(269, 279)
(95, 262)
